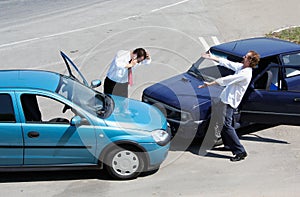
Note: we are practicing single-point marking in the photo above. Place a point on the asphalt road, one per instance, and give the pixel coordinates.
(176, 33)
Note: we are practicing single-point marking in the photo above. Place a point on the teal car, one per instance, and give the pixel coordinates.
(51, 121)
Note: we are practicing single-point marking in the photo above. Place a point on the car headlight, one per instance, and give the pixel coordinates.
(161, 137)
(184, 116)
(144, 99)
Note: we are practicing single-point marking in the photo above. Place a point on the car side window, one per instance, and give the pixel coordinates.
(42, 109)
(292, 78)
(292, 72)
(7, 113)
(291, 59)
(268, 80)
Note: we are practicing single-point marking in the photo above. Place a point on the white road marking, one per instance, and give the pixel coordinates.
(19, 42)
(204, 43)
(129, 17)
(168, 6)
(55, 12)
(86, 28)
(52, 35)
(215, 40)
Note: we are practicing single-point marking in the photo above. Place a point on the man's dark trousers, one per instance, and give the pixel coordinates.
(228, 133)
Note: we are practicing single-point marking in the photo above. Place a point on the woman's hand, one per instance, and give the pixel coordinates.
(208, 55)
(132, 63)
(206, 84)
(148, 55)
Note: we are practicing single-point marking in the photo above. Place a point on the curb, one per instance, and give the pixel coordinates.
(285, 28)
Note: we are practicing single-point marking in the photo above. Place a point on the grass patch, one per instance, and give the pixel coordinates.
(291, 34)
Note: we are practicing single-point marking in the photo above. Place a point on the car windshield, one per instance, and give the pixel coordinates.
(208, 70)
(88, 99)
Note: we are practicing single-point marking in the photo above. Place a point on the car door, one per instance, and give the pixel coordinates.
(277, 104)
(49, 139)
(11, 138)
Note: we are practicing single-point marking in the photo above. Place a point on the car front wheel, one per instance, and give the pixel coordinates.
(124, 163)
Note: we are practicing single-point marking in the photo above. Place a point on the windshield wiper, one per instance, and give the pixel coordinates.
(195, 72)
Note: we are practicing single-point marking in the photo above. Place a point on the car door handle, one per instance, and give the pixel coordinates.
(33, 134)
(296, 99)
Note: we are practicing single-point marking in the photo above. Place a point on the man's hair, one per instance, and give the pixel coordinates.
(140, 52)
(254, 59)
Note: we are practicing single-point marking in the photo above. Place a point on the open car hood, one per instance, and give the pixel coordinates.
(69, 62)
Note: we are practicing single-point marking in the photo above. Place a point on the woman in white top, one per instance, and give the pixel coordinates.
(119, 75)
(235, 88)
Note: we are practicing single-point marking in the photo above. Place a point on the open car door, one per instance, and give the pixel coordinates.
(277, 102)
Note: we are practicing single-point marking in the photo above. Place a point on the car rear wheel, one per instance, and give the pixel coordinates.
(124, 163)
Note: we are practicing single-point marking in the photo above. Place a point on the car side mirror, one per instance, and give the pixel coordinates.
(75, 121)
(95, 83)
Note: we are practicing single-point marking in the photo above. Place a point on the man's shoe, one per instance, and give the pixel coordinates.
(239, 157)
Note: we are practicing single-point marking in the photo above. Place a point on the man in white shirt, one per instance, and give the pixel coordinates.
(119, 75)
(235, 88)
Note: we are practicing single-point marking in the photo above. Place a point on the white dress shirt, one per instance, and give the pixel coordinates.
(117, 71)
(236, 84)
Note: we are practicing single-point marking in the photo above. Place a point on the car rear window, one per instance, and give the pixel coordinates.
(6, 109)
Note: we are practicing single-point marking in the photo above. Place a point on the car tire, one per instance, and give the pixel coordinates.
(150, 172)
(124, 163)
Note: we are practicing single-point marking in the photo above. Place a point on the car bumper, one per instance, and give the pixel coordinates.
(189, 129)
(156, 154)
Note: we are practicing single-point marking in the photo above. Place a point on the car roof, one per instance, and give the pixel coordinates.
(32, 79)
(264, 46)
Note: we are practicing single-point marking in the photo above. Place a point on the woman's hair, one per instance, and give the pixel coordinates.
(140, 52)
(254, 59)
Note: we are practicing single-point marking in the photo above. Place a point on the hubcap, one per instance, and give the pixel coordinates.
(125, 163)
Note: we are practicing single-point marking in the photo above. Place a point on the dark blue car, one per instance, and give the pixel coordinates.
(273, 96)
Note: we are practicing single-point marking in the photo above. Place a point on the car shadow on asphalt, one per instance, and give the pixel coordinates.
(40, 176)
(66, 175)
(247, 133)
(27, 176)
(192, 146)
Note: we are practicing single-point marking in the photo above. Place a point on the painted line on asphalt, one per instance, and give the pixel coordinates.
(204, 43)
(51, 35)
(87, 28)
(19, 42)
(215, 40)
(207, 46)
(168, 6)
(89, 4)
